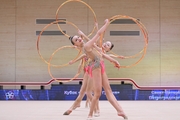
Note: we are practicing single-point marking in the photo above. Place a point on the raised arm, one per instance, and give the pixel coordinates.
(97, 48)
(88, 39)
(83, 35)
(88, 46)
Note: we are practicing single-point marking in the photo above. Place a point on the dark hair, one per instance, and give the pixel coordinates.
(70, 38)
(112, 45)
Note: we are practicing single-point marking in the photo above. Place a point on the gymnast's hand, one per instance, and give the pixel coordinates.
(117, 64)
(71, 62)
(106, 21)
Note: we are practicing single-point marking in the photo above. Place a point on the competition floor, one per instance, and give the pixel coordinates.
(53, 110)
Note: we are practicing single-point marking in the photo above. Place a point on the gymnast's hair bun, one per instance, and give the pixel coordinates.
(70, 38)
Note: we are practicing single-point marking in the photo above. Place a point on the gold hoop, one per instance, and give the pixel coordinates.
(58, 80)
(38, 40)
(143, 30)
(95, 19)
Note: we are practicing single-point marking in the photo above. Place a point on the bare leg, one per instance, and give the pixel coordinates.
(97, 85)
(80, 96)
(110, 96)
(89, 90)
(87, 102)
(97, 110)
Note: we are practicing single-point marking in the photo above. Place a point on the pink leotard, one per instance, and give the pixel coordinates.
(93, 66)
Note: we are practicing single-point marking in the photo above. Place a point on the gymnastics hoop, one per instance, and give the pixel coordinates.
(95, 18)
(49, 65)
(38, 40)
(143, 30)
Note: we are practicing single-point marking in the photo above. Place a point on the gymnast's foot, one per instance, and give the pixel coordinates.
(76, 107)
(125, 118)
(89, 118)
(97, 113)
(123, 115)
(67, 112)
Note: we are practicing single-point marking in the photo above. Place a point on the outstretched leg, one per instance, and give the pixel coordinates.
(80, 96)
(111, 98)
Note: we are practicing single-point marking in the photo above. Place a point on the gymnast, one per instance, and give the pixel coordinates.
(87, 82)
(97, 70)
(86, 87)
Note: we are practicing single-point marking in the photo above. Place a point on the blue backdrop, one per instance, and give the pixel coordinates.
(70, 92)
